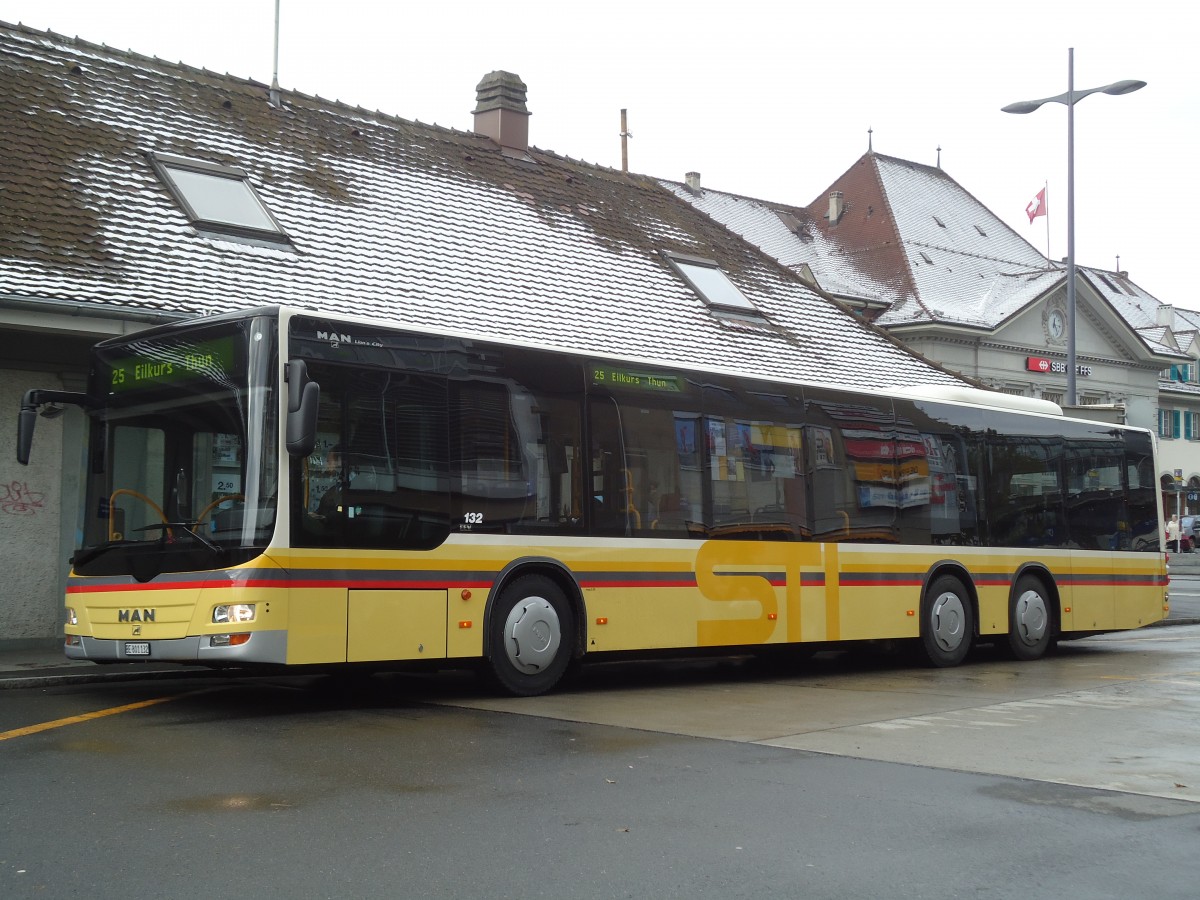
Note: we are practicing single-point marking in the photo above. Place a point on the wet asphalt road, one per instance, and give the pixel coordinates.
(676, 780)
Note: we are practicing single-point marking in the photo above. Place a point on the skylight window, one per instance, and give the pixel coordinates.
(217, 198)
(713, 285)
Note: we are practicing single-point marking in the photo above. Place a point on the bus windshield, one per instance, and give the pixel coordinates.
(181, 468)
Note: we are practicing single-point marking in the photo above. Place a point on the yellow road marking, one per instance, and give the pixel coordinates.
(87, 717)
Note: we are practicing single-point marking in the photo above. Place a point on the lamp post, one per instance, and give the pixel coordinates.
(1069, 99)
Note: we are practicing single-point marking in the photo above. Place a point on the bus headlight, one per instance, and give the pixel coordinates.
(234, 612)
(72, 618)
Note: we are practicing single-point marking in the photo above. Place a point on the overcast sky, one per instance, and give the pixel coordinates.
(770, 100)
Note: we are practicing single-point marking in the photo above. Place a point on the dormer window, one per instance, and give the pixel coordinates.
(711, 284)
(218, 198)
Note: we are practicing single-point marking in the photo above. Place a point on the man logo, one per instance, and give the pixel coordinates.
(135, 615)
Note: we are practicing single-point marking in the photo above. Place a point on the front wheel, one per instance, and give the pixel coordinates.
(947, 622)
(531, 634)
(1030, 627)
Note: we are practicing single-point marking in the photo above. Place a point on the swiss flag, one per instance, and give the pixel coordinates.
(1037, 206)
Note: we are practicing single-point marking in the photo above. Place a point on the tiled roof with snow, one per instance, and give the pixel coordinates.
(388, 218)
(789, 234)
(968, 267)
(912, 237)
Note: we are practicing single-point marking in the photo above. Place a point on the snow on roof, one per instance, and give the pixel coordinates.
(914, 238)
(790, 235)
(387, 218)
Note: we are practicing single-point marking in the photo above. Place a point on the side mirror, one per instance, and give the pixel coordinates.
(26, 420)
(303, 398)
(27, 417)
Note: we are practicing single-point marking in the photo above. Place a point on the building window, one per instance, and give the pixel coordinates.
(1191, 426)
(1170, 423)
(711, 284)
(1053, 396)
(1184, 372)
(218, 198)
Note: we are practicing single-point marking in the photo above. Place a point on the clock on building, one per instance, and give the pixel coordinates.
(1056, 324)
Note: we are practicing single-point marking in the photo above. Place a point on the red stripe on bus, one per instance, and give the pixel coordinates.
(276, 583)
(171, 586)
(880, 582)
(632, 583)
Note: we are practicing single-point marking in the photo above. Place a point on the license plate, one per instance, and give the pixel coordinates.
(137, 648)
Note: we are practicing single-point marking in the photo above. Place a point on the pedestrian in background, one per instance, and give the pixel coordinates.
(1173, 534)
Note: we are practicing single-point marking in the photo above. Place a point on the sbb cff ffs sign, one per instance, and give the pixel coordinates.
(1053, 366)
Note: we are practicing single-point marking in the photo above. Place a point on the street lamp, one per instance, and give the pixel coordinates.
(1069, 99)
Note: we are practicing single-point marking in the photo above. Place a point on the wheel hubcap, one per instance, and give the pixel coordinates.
(1030, 617)
(948, 621)
(532, 635)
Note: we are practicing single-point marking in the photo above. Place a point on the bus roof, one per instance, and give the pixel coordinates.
(978, 397)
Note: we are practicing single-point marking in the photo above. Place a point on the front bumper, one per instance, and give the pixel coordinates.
(267, 647)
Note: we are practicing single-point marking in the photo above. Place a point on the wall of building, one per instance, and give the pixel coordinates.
(32, 560)
(1112, 373)
(39, 503)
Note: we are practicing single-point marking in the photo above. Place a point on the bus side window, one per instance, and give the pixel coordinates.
(851, 452)
(655, 496)
(1025, 493)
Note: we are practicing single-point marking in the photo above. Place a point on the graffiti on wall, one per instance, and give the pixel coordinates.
(17, 499)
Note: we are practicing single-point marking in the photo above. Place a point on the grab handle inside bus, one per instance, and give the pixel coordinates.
(27, 418)
(303, 397)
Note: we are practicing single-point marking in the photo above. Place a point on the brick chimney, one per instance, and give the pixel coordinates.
(500, 112)
(837, 206)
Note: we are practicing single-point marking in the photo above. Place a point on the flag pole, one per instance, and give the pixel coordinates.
(1046, 194)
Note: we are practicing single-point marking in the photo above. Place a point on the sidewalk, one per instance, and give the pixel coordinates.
(47, 667)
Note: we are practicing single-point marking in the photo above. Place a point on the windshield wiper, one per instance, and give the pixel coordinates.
(83, 557)
(189, 528)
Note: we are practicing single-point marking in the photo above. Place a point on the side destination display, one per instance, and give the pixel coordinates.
(610, 376)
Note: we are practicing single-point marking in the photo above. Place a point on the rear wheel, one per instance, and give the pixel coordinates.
(947, 622)
(531, 634)
(1030, 627)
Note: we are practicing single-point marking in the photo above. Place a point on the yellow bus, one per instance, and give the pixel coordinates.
(277, 487)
